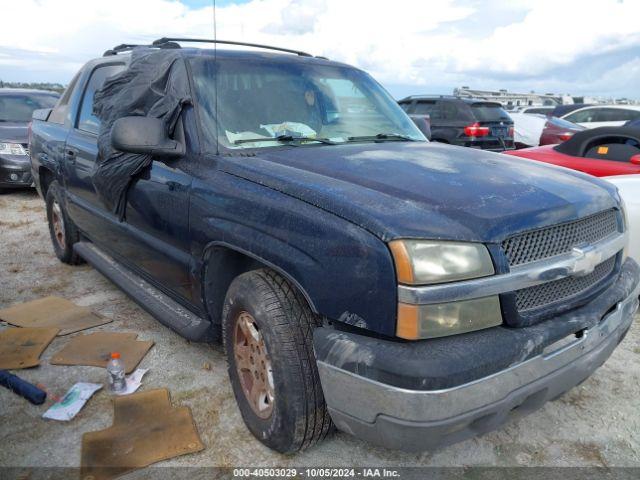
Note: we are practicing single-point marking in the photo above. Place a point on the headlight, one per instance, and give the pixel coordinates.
(12, 149)
(421, 262)
(424, 262)
(442, 319)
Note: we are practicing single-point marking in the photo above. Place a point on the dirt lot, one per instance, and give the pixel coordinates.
(596, 424)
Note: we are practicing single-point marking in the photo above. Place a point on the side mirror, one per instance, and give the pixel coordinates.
(144, 135)
(635, 159)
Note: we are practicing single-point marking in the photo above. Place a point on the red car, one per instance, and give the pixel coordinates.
(557, 130)
(602, 152)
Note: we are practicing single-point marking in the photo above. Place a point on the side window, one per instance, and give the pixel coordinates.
(448, 111)
(59, 112)
(581, 116)
(87, 121)
(621, 114)
(406, 107)
(425, 108)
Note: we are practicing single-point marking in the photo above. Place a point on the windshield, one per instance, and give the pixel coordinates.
(269, 103)
(19, 107)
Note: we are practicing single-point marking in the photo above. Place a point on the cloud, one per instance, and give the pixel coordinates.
(589, 47)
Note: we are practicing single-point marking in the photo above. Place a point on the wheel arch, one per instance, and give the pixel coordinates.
(46, 178)
(222, 262)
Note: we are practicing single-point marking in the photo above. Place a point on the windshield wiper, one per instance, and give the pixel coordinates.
(286, 139)
(381, 137)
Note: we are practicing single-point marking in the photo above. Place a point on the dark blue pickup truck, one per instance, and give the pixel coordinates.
(411, 293)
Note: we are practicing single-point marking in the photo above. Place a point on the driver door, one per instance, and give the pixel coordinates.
(156, 224)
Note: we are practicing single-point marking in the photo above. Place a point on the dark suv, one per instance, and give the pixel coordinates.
(463, 122)
(411, 293)
(16, 107)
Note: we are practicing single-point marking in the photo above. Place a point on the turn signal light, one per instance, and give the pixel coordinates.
(475, 130)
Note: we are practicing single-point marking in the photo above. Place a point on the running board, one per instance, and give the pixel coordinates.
(166, 310)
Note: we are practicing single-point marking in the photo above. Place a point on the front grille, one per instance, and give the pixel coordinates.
(532, 298)
(558, 239)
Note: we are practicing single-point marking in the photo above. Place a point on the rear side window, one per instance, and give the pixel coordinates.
(617, 115)
(451, 111)
(581, 116)
(489, 112)
(87, 121)
(59, 112)
(425, 108)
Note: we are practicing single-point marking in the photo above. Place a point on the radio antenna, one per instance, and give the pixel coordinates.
(215, 63)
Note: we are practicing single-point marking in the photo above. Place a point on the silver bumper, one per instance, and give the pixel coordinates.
(418, 420)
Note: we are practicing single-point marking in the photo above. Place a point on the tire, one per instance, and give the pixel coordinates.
(291, 414)
(63, 231)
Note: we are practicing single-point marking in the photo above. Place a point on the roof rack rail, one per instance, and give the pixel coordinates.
(165, 40)
(127, 47)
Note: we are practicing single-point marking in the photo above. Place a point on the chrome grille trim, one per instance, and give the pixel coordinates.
(522, 276)
(546, 294)
(534, 245)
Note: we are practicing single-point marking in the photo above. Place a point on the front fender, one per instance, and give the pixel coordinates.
(345, 272)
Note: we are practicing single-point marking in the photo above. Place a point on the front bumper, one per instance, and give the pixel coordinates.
(15, 172)
(416, 419)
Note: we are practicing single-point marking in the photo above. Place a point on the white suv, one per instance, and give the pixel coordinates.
(604, 115)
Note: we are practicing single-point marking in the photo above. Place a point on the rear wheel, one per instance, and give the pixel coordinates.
(267, 331)
(63, 231)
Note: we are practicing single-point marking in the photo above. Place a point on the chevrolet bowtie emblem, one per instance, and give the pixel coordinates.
(586, 260)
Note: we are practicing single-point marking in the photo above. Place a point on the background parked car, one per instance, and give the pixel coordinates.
(601, 152)
(629, 190)
(532, 130)
(604, 115)
(464, 122)
(558, 130)
(16, 107)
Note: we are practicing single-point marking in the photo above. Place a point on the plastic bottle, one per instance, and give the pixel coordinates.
(115, 369)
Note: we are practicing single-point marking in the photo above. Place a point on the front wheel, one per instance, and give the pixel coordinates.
(267, 331)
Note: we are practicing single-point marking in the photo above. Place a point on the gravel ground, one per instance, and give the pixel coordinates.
(596, 424)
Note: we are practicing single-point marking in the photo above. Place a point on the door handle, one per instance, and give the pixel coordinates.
(172, 185)
(70, 155)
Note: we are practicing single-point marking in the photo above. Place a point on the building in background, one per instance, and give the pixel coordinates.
(515, 101)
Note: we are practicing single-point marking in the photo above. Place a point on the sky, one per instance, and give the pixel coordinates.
(585, 47)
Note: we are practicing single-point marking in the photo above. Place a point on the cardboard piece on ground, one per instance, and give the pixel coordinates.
(52, 312)
(95, 349)
(146, 429)
(22, 347)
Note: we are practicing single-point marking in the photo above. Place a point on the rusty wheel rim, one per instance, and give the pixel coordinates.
(253, 365)
(57, 220)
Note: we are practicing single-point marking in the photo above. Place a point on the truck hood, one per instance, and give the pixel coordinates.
(13, 132)
(426, 190)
